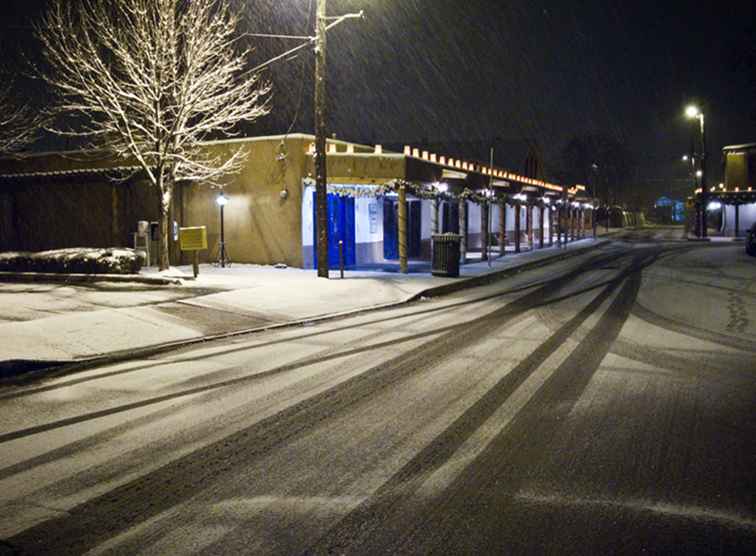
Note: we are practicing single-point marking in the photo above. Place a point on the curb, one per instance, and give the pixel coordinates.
(86, 278)
(54, 368)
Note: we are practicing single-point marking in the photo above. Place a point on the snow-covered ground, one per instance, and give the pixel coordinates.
(63, 322)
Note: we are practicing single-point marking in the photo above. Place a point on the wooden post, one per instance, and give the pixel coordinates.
(551, 225)
(434, 216)
(518, 217)
(462, 231)
(484, 231)
(195, 262)
(402, 222)
(529, 225)
(543, 225)
(502, 229)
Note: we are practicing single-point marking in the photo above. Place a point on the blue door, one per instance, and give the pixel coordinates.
(341, 227)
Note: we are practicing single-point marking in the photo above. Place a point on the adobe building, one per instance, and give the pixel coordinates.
(76, 199)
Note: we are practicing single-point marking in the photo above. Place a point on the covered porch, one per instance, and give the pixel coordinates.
(384, 208)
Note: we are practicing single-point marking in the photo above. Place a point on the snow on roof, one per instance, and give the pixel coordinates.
(79, 172)
(745, 146)
(228, 141)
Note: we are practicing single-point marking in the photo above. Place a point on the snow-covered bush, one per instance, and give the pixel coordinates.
(82, 260)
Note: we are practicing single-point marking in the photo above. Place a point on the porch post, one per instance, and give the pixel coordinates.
(403, 266)
(434, 216)
(484, 231)
(502, 229)
(551, 225)
(737, 219)
(541, 232)
(462, 231)
(517, 226)
(529, 224)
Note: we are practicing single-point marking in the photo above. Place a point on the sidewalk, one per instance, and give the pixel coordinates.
(53, 324)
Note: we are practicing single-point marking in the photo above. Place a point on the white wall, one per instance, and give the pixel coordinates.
(473, 218)
(747, 218)
(426, 207)
(307, 223)
(368, 219)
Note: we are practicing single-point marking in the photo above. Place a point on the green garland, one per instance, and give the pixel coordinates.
(418, 190)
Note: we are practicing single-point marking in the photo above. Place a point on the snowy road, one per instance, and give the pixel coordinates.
(604, 404)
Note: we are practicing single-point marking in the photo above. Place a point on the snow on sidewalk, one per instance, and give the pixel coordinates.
(87, 334)
(239, 297)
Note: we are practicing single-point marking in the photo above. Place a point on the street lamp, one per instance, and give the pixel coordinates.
(692, 112)
(221, 200)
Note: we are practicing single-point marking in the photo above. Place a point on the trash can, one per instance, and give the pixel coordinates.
(446, 255)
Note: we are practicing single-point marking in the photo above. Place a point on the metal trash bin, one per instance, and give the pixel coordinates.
(446, 255)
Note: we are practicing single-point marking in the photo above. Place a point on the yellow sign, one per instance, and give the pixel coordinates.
(193, 239)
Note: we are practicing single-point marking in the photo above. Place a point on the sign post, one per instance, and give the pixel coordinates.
(195, 240)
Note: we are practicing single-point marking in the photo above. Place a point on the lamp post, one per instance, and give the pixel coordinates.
(693, 113)
(222, 201)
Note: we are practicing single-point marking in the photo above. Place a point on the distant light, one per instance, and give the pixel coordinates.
(685, 158)
(487, 193)
(546, 201)
(588, 206)
(721, 186)
(714, 205)
(441, 187)
(520, 197)
(221, 200)
(699, 173)
(692, 111)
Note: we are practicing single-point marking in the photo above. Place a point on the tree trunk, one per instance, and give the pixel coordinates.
(164, 261)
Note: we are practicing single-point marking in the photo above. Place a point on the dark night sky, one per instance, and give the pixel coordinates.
(473, 70)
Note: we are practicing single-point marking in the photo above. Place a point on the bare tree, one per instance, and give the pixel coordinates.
(150, 81)
(18, 124)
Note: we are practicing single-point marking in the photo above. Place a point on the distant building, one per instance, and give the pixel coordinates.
(737, 194)
(669, 211)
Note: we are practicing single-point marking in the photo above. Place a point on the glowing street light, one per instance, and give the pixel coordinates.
(692, 112)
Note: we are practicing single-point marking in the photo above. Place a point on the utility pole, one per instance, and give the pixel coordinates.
(321, 179)
(704, 188)
(321, 176)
